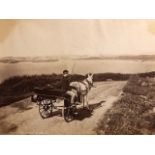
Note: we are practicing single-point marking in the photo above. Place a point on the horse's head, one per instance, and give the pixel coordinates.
(90, 79)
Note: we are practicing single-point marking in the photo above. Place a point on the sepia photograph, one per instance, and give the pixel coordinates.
(77, 77)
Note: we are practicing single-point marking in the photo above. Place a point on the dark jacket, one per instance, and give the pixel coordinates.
(65, 82)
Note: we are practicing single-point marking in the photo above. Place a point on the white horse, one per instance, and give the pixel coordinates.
(83, 87)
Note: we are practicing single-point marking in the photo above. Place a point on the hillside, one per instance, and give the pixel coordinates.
(134, 112)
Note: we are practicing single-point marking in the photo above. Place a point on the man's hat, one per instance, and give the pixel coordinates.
(65, 71)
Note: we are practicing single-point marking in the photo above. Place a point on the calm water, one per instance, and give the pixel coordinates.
(78, 66)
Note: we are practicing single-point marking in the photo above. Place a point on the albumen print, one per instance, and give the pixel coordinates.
(77, 77)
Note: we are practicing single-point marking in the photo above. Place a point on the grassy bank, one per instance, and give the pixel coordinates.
(20, 87)
(134, 112)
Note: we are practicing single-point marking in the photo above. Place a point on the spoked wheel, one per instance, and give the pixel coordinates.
(68, 114)
(45, 110)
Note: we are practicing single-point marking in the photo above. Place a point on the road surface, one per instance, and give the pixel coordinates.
(23, 117)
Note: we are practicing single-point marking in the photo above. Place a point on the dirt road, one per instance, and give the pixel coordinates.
(23, 117)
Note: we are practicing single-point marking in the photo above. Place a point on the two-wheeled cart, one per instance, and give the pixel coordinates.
(51, 100)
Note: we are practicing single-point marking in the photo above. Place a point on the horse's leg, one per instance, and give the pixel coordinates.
(83, 100)
(86, 101)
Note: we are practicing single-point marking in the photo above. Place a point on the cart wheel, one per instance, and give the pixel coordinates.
(45, 110)
(68, 114)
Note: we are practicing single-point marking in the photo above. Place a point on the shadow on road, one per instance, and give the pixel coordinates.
(85, 113)
(82, 113)
(97, 105)
(3, 117)
(7, 127)
(21, 107)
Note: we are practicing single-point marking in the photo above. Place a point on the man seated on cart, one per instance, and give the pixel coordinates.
(66, 79)
(70, 93)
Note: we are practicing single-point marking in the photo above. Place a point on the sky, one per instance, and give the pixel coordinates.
(76, 37)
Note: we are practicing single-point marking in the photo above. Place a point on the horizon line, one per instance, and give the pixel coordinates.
(65, 55)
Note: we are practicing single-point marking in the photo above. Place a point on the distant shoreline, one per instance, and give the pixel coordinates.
(21, 60)
(45, 59)
(123, 57)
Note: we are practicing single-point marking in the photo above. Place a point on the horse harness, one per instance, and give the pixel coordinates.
(87, 87)
(89, 84)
